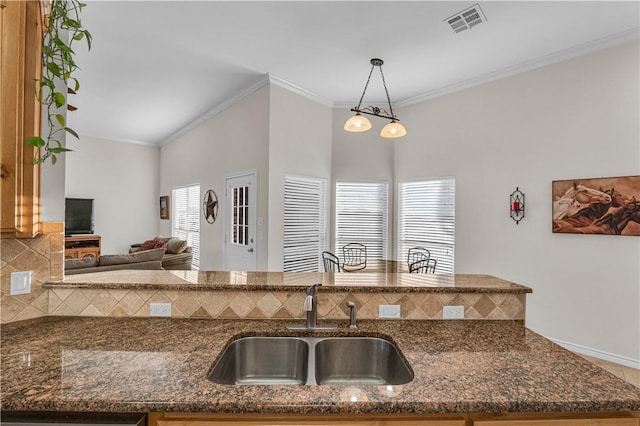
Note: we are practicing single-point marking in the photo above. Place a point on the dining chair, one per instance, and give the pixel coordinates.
(416, 254)
(330, 261)
(424, 266)
(354, 257)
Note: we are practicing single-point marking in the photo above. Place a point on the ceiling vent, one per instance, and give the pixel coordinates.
(467, 19)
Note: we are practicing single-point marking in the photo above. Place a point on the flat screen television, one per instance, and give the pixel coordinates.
(78, 216)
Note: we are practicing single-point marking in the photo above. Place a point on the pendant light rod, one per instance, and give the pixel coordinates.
(371, 110)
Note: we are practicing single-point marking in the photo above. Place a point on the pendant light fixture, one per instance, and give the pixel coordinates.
(359, 123)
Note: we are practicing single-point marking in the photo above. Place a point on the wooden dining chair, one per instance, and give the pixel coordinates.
(330, 261)
(354, 257)
(416, 254)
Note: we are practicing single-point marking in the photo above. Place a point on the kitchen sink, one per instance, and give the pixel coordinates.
(263, 361)
(311, 361)
(361, 360)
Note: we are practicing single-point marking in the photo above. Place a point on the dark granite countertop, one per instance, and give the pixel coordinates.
(161, 364)
(369, 282)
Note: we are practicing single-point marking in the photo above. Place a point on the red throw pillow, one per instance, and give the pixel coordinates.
(152, 244)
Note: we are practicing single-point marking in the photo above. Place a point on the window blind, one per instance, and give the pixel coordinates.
(426, 218)
(305, 223)
(186, 219)
(362, 217)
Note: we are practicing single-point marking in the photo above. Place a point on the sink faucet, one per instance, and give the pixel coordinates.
(352, 314)
(311, 308)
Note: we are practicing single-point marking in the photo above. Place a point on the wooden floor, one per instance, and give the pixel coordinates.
(629, 374)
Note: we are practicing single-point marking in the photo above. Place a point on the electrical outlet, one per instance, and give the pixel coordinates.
(388, 311)
(20, 283)
(160, 309)
(453, 312)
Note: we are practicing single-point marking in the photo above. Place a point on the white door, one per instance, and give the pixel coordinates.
(240, 222)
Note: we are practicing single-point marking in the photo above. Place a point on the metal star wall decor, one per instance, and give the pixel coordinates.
(210, 206)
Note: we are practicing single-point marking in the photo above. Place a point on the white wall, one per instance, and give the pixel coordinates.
(574, 119)
(299, 144)
(122, 178)
(234, 140)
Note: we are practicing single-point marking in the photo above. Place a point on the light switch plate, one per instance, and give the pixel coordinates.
(20, 283)
(388, 311)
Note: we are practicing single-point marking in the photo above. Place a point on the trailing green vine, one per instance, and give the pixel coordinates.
(62, 30)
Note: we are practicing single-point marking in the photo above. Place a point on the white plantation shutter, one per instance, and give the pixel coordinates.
(426, 218)
(361, 216)
(305, 223)
(186, 219)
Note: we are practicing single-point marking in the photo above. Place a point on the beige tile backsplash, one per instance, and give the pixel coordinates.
(275, 304)
(43, 255)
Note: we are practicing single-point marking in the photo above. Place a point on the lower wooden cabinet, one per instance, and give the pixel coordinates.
(170, 419)
(534, 419)
(561, 422)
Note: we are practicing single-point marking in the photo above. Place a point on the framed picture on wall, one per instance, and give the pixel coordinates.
(164, 207)
(609, 206)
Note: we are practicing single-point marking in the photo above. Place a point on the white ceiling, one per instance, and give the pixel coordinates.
(157, 66)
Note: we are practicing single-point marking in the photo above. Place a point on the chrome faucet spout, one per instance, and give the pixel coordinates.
(311, 306)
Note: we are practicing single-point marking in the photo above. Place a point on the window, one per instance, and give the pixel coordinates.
(186, 219)
(305, 223)
(240, 224)
(426, 218)
(361, 216)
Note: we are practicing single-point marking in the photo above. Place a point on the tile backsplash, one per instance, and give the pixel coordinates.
(279, 304)
(44, 256)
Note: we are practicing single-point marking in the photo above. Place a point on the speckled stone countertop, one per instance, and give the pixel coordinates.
(161, 364)
(290, 281)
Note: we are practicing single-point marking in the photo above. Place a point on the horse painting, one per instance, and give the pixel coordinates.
(576, 199)
(597, 206)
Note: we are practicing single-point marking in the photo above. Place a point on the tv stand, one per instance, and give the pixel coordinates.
(81, 246)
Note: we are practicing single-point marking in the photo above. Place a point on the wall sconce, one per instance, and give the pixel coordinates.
(516, 205)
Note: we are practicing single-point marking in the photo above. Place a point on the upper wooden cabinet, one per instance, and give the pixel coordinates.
(20, 117)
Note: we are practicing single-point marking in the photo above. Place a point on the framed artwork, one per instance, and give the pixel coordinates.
(164, 207)
(609, 206)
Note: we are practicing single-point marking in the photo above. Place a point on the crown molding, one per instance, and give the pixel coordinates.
(121, 140)
(579, 50)
(217, 109)
(266, 79)
(280, 82)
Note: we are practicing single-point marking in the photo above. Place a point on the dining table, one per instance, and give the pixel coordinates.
(384, 266)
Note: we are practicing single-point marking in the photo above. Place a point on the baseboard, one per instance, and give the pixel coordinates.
(605, 356)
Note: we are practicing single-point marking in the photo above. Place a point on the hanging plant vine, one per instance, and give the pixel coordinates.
(62, 29)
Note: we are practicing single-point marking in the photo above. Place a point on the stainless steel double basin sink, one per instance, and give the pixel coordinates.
(311, 361)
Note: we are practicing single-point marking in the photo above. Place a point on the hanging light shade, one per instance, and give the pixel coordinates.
(393, 130)
(358, 123)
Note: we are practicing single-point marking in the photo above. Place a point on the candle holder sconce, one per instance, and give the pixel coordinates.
(516, 205)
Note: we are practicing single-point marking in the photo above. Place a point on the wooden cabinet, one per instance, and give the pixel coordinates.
(20, 65)
(188, 419)
(477, 419)
(81, 246)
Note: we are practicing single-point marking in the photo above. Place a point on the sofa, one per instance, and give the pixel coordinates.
(148, 260)
(178, 254)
